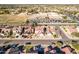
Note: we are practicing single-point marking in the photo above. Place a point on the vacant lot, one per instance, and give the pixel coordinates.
(13, 19)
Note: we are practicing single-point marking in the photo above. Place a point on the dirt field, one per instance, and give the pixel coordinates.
(13, 19)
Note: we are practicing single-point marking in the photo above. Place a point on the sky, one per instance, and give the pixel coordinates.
(39, 1)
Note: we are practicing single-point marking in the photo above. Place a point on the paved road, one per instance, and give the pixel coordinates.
(33, 41)
(24, 41)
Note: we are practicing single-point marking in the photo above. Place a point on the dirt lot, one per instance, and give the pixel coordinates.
(13, 19)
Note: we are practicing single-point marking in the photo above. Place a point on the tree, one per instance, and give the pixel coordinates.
(34, 24)
(55, 36)
(65, 17)
(10, 33)
(27, 21)
(6, 12)
(44, 30)
(23, 30)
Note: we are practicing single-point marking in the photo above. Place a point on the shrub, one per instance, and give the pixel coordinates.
(75, 34)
